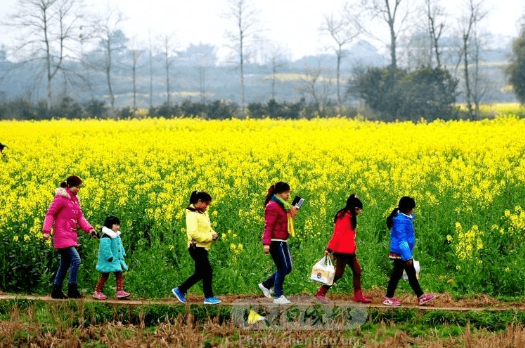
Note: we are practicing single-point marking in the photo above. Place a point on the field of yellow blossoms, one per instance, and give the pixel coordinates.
(468, 179)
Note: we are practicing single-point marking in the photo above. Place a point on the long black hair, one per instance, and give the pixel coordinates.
(278, 187)
(352, 203)
(405, 205)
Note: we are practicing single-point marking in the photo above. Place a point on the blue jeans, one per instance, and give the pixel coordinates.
(69, 259)
(283, 261)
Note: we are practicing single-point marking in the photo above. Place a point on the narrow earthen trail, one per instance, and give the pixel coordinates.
(442, 302)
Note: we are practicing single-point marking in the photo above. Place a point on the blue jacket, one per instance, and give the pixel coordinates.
(402, 237)
(111, 248)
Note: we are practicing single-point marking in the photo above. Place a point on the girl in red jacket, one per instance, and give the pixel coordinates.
(343, 247)
(278, 224)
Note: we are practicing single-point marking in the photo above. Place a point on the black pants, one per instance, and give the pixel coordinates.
(399, 266)
(202, 271)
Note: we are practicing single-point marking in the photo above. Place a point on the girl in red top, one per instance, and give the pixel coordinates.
(343, 247)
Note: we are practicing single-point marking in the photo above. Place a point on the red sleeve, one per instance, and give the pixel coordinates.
(342, 225)
(270, 217)
(52, 212)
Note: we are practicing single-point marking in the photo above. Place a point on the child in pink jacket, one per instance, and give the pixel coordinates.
(65, 214)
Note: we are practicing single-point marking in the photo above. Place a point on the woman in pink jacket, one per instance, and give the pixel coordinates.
(65, 214)
(278, 215)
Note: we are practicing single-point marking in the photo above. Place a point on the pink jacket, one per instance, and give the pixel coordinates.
(65, 214)
(275, 223)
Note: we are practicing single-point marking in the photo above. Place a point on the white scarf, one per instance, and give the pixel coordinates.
(112, 234)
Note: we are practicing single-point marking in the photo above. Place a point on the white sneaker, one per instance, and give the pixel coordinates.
(281, 300)
(266, 292)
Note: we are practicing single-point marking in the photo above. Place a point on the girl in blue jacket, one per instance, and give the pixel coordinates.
(402, 240)
(111, 255)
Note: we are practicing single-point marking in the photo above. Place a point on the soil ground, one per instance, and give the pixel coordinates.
(442, 301)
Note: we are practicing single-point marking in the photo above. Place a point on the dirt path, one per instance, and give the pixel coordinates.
(442, 302)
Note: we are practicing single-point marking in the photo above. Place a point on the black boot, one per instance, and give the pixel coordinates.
(57, 292)
(72, 291)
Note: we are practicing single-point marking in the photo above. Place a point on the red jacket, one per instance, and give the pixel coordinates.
(275, 223)
(343, 239)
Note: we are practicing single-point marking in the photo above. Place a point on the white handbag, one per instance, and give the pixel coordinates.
(323, 271)
(416, 266)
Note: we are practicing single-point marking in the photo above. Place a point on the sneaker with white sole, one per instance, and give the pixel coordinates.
(212, 300)
(178, 294)
(425, 299)
(390, 301)
(281, 300)
(266, 292)
(98, 295)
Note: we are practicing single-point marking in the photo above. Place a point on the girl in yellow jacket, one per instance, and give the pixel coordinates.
(200, 237)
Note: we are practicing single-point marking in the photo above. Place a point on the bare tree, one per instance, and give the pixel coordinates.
(435, 26)
(392, 12)
(468, 27)
(244, 16)
(47, 31)
(167, 43)
(316, 87)
(112, 40)
(343, 31)
(275, 58)
(135, 56)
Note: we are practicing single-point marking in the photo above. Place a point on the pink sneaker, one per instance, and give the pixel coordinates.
(122, 294)
(321, 299)
(425, 299)
(391, 302)
(97, 295)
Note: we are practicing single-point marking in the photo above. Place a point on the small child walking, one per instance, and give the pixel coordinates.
(200, 237)
(111, 255)
(343, 247)
(402, 240)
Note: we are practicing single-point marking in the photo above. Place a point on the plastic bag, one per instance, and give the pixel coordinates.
(416, 266)
(323, 271)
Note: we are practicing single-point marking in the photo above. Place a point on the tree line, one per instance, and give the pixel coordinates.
(426, 74)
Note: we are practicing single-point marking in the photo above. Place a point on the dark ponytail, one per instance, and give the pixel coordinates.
(278, 187)
(405, 205)
(71, 181)
(197, 195)
(352, 203)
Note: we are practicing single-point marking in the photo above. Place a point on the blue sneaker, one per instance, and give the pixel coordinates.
(212, 300)
(178, 295)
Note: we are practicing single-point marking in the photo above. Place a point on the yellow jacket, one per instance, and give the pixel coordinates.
(199, 229)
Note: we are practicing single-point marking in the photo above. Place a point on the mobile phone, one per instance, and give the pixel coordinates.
(298, 202)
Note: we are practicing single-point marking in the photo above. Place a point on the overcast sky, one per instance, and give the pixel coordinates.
(292, 24)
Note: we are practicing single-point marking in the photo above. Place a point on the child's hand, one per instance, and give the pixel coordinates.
(326, 253)
(266, 249)
(46, 236)
(409, 262)
(93, 233)
(215, 236)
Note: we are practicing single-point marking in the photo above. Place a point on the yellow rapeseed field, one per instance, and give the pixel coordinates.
(468, 179)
